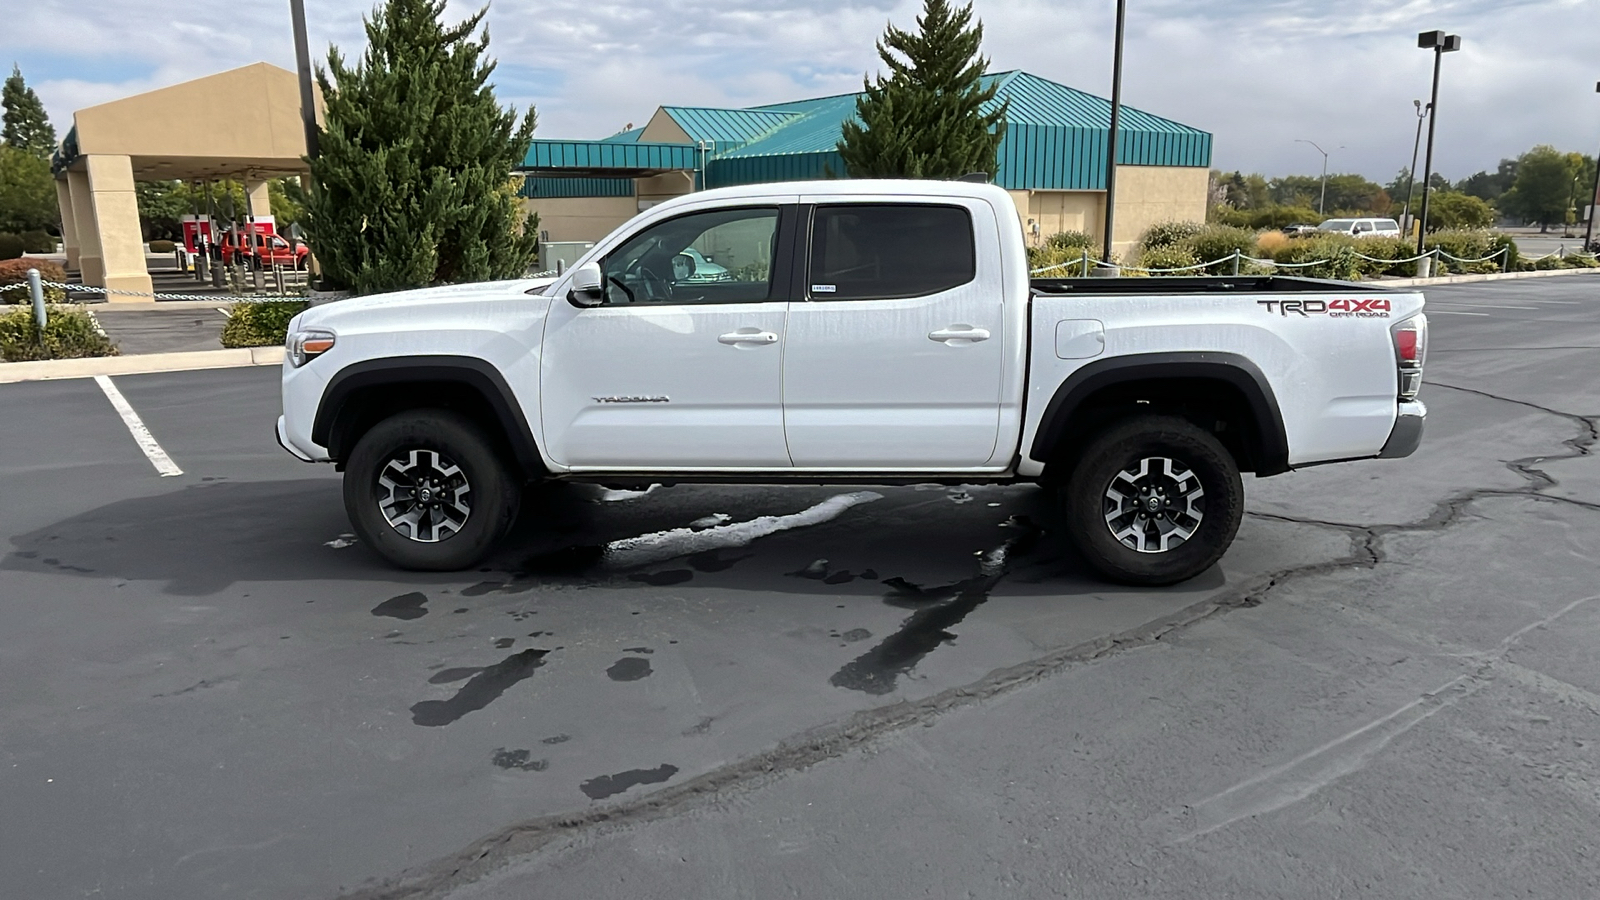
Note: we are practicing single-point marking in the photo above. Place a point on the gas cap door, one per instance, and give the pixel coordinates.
(1080, 338)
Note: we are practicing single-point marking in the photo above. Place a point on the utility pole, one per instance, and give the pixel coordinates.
(1323, 202)
(1411, 173)
(1440, 43)
(302, 58)
(1111, 139)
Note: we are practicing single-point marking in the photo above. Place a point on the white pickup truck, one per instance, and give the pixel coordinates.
(851, 331)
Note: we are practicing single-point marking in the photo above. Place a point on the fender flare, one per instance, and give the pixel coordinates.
(475, 373)
(1271, 448)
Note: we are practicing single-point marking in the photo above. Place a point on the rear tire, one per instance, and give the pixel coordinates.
(428, 490)
(1154, 500)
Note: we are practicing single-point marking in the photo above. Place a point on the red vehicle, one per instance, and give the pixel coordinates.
(268, 250)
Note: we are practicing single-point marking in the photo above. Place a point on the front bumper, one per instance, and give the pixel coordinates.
(283, 442)
(1406, 435)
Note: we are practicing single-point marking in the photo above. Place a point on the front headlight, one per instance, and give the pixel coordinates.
(304, 346)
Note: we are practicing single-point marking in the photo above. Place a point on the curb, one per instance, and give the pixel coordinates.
(1464, 279)
(142, 364)
(160, 305)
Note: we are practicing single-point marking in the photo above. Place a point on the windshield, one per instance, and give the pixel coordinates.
(1337, 225)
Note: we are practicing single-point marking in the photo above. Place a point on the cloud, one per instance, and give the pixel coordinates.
(1258, 75)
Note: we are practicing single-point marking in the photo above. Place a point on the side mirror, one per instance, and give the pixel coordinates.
(587, 287)
(683, 266)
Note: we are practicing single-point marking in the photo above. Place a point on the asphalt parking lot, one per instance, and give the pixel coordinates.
(1388, 688)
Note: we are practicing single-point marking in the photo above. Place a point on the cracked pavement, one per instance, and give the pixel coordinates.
(1388, 688)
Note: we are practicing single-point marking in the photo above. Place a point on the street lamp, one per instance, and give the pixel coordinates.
(302, 59)
(1594, 200)
(1111, 140)
(1411, 172)
(1324, 199)
(1440, 43)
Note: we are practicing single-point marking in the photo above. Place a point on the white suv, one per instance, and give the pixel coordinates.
(1362, 227)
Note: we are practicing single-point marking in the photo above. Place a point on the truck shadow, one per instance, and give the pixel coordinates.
(902, 547)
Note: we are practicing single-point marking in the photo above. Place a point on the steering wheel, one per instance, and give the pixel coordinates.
(655, 286)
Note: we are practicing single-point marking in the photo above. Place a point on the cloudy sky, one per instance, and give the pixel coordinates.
(1258, 74)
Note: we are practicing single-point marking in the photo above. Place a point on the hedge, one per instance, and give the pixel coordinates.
(70, 333)
(11, 246)
(1170, 256)
(1334, 254)
(264, 324)
(15, 271)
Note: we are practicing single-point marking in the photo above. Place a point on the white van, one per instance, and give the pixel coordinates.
(1362, 227)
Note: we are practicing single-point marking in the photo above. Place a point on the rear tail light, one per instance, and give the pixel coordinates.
(1410, 353)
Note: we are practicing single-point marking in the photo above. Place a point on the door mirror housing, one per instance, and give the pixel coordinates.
(588, 288)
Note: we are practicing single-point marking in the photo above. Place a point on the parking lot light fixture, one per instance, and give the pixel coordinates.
(1594, 199)
(1323, 201)
(1411, 172)
(1440, 43)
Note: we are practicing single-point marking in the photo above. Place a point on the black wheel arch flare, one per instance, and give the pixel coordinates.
(1270, 444)
(468, 372)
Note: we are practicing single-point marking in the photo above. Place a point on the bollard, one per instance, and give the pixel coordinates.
(1425, 265)
(277, 277)
(256, 276)
(1236, 262)
(1084, 272)
(36, 291)
(202, 266)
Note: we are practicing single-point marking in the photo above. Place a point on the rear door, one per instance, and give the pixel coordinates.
(894, 353)
(680, 367)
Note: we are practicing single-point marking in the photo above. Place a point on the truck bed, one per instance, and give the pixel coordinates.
(1207, 284)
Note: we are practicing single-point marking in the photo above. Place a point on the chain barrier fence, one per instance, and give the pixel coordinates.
(1238, 256)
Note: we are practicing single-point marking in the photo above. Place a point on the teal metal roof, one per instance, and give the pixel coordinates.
(631, 136)
(575, 187)
(606, 158)
(725, 129)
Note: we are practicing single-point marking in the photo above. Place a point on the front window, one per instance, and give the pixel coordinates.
(719, 256)
(1344, 225)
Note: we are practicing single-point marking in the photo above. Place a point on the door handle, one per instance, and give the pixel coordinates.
(748, 337)
(959, 333)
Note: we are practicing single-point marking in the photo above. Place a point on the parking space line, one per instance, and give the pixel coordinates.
(141, 435)
(1451, 312)
(1492, 306)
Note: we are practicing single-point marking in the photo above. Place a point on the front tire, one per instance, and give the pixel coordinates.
(428, 491)
(1154, 500)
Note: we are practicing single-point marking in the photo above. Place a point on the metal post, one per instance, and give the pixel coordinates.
(1236, 261)
(1411, 173)
(302, 59)
(1111, 138)
(277, 277)
(1085, 262)
(1594, 200)
(1427, 171)
(36, 291)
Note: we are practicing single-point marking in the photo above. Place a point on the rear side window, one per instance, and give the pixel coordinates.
(890, 251)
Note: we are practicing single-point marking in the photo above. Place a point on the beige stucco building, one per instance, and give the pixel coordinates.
(243, 124)
(1051, 160)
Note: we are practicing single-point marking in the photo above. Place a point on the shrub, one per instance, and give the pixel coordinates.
(37, 242)
(1071, 240)
(1546, 263)
(162, 246)
(1168, 234)
(262, 324)
(1279, 216)
(1384, 250)
(1043, 257)
(70, 333)
(1218, 242)
(1512, 257)
(1334, 254)
(1171, 256)
(1474, 245)
(15, 271)
(1270, 242)
(1580, 261)
(1449, 210)
(11, 246)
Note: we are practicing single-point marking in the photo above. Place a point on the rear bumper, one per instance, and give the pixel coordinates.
(1407, 432)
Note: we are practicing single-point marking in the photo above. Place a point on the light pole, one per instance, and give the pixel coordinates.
(1440, 43)
(1111, 139)
(1323, 201)
(1411, 173)
(1594, 199)
(302, 59)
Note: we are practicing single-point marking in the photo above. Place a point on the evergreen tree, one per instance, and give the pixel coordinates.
(26, 126)
(926, 119)
(413, 184)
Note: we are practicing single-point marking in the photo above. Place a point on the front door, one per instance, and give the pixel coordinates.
(894, 359)
(681, 366)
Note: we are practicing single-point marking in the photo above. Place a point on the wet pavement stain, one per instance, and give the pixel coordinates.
(609, 785)
(644, 650)
(504, 643)
(817, 571)
(629, 668)
(481, 588)
(405, 606)
(855, 634)
(663, 579)
(451, 676)
(700, 727)
(557, 739)
(519, 760)
(714, 561)
(484, 688)
(937, 610)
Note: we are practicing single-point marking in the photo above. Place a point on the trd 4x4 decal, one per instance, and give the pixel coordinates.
(1360, 308)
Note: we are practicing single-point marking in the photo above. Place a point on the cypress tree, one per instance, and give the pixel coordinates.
(925, 119)
(413, 185)
(27, 128)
